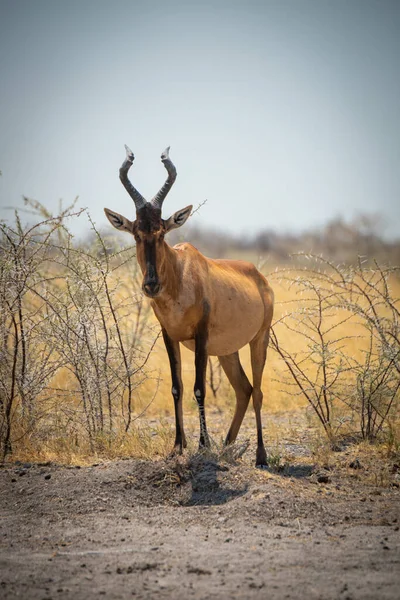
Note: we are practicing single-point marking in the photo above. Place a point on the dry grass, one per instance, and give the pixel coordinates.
(151, 434)
(277, 397)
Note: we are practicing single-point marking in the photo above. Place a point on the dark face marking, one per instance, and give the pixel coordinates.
(151, 284)
(148, 219)
(148, 232)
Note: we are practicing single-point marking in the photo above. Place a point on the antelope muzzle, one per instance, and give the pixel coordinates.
(151, 285)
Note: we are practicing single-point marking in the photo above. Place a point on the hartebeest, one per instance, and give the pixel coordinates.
(213, 307)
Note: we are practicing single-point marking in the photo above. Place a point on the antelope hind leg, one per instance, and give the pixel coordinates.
(258, 351)
(242, 387)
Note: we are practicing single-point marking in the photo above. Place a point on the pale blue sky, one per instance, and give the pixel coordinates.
(283, 114)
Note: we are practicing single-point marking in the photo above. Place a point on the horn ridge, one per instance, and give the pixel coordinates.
(123, 175)
(159, 198)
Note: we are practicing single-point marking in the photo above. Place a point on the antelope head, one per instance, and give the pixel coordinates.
(149, 228)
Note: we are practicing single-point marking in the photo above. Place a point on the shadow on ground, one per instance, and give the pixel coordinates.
(208, 487)
(200, 479)
(297, 471)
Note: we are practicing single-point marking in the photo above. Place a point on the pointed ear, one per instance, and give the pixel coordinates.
(178, 218)
(118, 221)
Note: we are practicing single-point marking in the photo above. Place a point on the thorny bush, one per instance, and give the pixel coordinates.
(75, 336)
(346, 324)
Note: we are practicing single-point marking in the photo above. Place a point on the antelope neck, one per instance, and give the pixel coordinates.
(169, 272)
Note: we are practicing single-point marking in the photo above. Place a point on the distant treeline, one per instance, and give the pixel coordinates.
(338, 241)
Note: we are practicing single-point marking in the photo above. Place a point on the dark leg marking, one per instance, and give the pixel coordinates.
(174, 355)
(201, 356)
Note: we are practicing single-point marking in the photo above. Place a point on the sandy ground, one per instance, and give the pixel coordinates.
(199, 527)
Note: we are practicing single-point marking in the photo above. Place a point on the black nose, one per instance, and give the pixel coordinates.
(151, 288)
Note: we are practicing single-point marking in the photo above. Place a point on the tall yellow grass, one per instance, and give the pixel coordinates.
(152, 429)
(277, 396)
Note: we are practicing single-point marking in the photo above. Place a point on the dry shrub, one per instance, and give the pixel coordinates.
(81, 362)
(75, 338)
(344, 352)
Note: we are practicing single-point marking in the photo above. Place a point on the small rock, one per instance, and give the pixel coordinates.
(323, 478)
(48, 476)
(256, 586)
(355, 464)
(198, 571)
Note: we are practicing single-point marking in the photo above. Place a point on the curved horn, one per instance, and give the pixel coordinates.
(160, 197)
(123, 175)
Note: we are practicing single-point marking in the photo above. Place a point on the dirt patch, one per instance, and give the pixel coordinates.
(198, 527)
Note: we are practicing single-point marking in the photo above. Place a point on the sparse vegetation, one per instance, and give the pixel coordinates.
(345, 323)
(71, 361)
(80, 358)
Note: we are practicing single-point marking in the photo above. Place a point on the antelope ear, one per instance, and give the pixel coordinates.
(178, 218)
(118, 221)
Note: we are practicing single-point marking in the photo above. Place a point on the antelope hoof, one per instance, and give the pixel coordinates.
(228, 441)
(261, 458)
(177, 450)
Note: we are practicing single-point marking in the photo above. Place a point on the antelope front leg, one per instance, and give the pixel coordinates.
(201, 357)
(174, 355)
